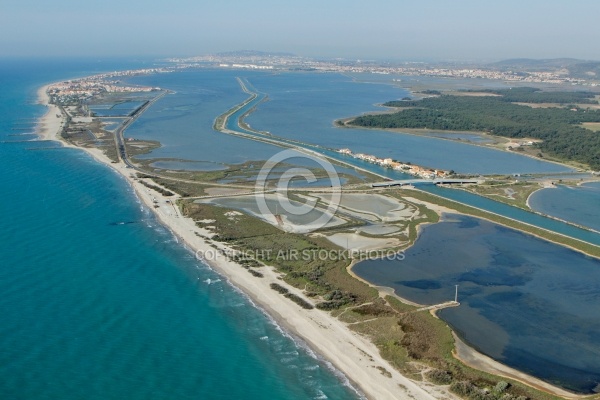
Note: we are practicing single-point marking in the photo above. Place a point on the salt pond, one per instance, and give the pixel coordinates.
(526, 302)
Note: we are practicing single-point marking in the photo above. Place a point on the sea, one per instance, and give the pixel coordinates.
(99, 301)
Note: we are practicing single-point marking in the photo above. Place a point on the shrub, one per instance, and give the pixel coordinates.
(278, 288)
(463, 388)
(501, 386)
(299, 300)
(439, 377)
(255, 273)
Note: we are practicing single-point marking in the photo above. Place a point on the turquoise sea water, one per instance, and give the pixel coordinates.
(523, 301)
(100, 302)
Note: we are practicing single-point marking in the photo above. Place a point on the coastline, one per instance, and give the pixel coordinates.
(551, 186)
(352, 354)
(464, 352)
(349, 352)
(52, 121)
(476, 360)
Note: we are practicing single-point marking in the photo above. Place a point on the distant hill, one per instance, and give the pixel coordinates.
(254, 53)
(568, 66)
(536, 63)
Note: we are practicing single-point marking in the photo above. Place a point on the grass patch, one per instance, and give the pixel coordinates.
(399, 306)
(401, 335)
(592, 126)
(512, 193)
(139, 147)
(183, 188)
(326, 280)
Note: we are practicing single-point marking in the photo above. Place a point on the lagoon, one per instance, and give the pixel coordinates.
(518, 214)
(299, 106)
(303, 106)
(579, 204)
(182, 121)
(525, 302)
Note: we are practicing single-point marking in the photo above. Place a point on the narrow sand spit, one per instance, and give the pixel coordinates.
(349, 352)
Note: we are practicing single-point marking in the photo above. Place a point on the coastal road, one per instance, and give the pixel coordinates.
(119, 139)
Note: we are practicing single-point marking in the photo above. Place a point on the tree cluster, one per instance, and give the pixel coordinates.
(558, 128)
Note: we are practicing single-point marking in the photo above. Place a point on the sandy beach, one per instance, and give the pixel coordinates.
(545, 185)
(354, 355)
(482, 362)
(51, 123)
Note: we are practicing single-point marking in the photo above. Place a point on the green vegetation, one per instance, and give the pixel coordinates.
(183, 188)
(295, 298)
(255, 273)
(507, 191)
(416, 343)
(139, 147)
(439, 377)
(431, 92)
(157, 188)
(325, 280)
(278, 288)
(584, 247)
(558, 128)
(410, 336)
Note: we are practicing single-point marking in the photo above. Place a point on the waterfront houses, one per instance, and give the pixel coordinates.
(416, 170)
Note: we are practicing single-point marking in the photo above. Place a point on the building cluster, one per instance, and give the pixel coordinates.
(291, 62)
(246, 66)
(239, 60)
(128, 73)
(425, 173)
(77, 90)
(533, 76)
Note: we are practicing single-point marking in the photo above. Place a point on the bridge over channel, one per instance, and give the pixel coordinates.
(423, 182)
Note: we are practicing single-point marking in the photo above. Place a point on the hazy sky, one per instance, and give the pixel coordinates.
(394, 29)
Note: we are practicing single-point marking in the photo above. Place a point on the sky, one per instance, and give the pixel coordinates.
(414, 30)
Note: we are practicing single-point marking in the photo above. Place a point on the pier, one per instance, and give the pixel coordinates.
(440, 306)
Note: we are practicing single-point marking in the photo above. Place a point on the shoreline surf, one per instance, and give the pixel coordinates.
(353, 355)
(324, 334)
